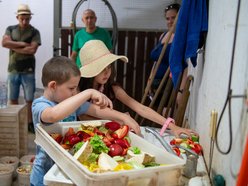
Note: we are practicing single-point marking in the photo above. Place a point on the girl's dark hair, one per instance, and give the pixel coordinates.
(86, 83)
(174, 6)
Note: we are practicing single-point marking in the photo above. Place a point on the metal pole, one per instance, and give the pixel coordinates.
(56, 26)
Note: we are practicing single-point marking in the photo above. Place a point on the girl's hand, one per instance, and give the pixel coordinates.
(177, 131)
(132, 124)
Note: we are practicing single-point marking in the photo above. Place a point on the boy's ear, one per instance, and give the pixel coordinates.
(52, 85)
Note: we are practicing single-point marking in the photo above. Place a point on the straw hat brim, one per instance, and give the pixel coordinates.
(24, 13)
(94, 68)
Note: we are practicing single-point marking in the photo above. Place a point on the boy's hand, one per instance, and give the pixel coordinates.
(101, 100)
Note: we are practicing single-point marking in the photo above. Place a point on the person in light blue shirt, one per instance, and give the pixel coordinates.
(61, 101)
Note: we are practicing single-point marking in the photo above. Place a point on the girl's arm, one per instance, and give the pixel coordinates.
(113, 115)
(147, 112)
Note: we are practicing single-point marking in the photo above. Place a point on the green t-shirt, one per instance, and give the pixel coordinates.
(82, 37)
(22, 63)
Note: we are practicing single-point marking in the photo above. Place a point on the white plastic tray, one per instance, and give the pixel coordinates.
(80, 175)
(55, 176)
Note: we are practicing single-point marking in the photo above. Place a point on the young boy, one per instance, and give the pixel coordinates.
(62, 102)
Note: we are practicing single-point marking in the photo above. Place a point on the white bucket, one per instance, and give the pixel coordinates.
(27, 159)
(10, 160)
(24, 172)
(6, 172)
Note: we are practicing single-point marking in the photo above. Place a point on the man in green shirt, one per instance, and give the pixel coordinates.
(90, 32)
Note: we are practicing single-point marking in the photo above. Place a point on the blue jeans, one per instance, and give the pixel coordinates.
(41, 166)
(27, 81)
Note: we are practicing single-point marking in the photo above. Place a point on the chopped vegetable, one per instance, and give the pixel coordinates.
(121, 132)
(151, 164)
(84, 152)
(112, 125)
(135, 150)
(123, 166)
(105, 162)
(98, 145)
(136, 165)
(77, 146)
(187, 143)
(118, 158)
(195, 138)
(177, 151)
(92, 158)
(106, 147)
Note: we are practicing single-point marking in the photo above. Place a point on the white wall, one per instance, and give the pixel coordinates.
(211, 77)
(138, 14)
(211, 84)
(42, 20)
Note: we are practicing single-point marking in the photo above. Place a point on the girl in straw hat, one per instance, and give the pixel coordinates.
(98, 72)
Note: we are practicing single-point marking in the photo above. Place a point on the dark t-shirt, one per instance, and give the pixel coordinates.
(22, 63)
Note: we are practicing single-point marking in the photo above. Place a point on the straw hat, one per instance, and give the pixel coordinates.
(23, 9)
(95, 57)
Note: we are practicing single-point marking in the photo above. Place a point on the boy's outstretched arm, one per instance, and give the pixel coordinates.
(114, 115)
(69, 105)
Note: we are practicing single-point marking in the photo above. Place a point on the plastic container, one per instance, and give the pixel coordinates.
(6, 172)
(80, 175)
(3, 95)
(12, 161)
(56, 177)
(23, 173)
(27, 159)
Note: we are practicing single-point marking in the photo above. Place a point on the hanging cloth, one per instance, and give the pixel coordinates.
(192, 23)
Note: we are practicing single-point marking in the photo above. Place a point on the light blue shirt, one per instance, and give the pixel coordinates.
(42, 161)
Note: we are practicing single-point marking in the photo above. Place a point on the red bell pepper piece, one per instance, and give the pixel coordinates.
(122, 142)
(73, 139)
(110, 138)
(121, 133)
(57, 137)
(112, 125)
(173, 142)
(177, 151)
(124, 151)
(83, 135)
(106, 141)
(68, 133)
(197, 148)
(66, 146)
(98, 132)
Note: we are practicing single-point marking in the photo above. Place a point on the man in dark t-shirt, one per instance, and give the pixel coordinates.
(22, 40)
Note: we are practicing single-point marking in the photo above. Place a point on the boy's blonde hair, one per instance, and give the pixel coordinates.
(59, 69)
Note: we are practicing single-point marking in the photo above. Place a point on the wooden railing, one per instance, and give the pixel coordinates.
(136, 45)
